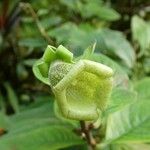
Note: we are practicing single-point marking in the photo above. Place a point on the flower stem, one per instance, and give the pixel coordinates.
(86, 131)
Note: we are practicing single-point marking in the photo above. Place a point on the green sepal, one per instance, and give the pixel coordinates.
(40, 71)
(61, 53)
(64, 54)
(51, 54)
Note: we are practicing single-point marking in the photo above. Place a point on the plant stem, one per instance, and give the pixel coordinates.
(88, 135)
(28, 8)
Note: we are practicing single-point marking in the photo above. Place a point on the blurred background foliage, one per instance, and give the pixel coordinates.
(121, 30)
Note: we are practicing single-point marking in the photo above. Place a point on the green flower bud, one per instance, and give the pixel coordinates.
(81, 89)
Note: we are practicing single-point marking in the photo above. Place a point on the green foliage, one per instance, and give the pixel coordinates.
(121, 31)
(49, 137)
(32, 42)
(4, 122)
(12, 97)
(120, 98)
(92, 9)
(132, 124)
(2, 104)
(141, 34)
(142, 88)
(38, 128)
(109, 41)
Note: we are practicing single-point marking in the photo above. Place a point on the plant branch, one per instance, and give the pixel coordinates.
(28, 8)
(86, 131)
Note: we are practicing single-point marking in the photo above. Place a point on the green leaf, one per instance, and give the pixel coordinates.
(71, 4)
(39, 100)
(42, 12)
(36, 115)
(141, 33)
(130, 124)
(37, 128)
(119, 99)
(96, 9)
(132, 146)
(89, 51)
(43, 138)
(146, 65)
(93, 8)
(4, 122)
(108, 14)
(2, 104)
(116, 43)
(12, 97)
(113, 147)
(143, 88)
(47, 22)
(32, 42)
(43, 111)
(60, 32)
(42, 108)
(108, 41)
(138, 146)
(21, 71)
(29, 62)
